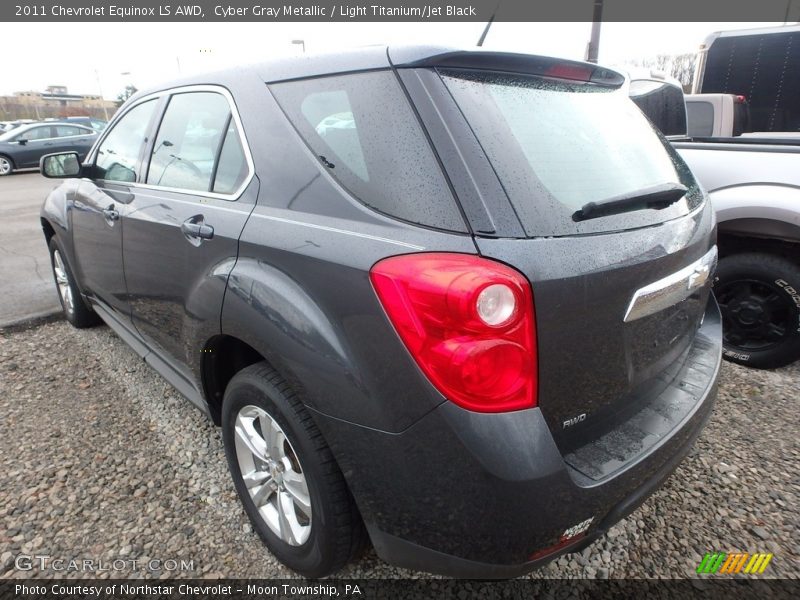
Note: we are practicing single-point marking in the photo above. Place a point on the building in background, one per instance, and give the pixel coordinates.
(54, 102)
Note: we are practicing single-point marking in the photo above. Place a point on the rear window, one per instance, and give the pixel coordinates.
(557, 146)
(701, 118)
(365, 134)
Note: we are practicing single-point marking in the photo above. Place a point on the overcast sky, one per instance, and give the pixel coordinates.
(90, 57)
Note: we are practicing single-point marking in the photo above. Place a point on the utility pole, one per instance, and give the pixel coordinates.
(593, 49)
(102, 98)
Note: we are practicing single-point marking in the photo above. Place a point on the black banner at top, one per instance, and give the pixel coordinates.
(397, 10)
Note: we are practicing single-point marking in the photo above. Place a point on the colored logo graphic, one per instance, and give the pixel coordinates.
(742, 562)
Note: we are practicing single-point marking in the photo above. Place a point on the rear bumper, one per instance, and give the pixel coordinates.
(490, 495)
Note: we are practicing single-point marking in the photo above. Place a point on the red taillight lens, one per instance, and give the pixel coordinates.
(469, 324)
(569, 71)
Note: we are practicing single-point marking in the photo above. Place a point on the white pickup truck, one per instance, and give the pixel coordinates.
(753, 181)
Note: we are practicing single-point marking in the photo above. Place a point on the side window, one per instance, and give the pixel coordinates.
(701, 118)
(363, 131)
(188, 142)
(68, 130)
(232, 166)
(35, 133)
(118, 154)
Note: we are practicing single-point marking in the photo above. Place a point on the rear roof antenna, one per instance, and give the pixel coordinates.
(488, 24)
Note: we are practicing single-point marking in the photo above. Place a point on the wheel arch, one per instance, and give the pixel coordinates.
(758, 211)
(222, 357)
(47, 229)
(759, 235)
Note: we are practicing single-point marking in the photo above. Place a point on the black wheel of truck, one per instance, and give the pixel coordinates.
(286, 477)
(759, 296)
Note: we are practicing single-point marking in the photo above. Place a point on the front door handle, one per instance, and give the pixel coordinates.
(110, 213)
(197, 229)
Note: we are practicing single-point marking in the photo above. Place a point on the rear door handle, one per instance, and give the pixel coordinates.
(198, 230)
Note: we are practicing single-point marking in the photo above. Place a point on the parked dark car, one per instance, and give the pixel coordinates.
(23, 146)
(456, 303)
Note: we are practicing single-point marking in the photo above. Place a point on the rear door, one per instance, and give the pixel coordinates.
(616, 297)
(182, 228)
(73, 138)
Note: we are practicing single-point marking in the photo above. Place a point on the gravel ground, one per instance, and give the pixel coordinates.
(101, 459)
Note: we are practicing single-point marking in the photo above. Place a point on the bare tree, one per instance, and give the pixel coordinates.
(679, 66)
(129, 91)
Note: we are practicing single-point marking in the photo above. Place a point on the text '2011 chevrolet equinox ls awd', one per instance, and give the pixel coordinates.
(456, 303)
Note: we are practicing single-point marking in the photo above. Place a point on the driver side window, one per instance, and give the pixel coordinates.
(118, 154)
(35, 133)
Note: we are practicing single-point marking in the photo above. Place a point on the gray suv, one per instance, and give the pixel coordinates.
(453, 303)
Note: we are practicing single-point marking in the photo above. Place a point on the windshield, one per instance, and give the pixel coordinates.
(558, 146)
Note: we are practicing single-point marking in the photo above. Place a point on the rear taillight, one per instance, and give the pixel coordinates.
(469, 324)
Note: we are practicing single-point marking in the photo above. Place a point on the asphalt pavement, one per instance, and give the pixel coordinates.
(28, 288)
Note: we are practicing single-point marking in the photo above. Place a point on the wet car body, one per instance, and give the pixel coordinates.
(624, 377)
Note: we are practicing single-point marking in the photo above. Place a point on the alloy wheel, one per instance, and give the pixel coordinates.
(273, 475)
(5, 166)
(62, 281)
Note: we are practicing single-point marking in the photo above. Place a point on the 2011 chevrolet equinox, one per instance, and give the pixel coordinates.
(454, 302)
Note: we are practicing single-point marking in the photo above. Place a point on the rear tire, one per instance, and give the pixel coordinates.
(295, 485)
(74, 306)
(759, 295)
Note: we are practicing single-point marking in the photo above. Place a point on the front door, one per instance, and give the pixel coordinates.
(33, 143)
(101, 203)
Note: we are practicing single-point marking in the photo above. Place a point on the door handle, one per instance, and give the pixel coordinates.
(111, 214)
(198, 230)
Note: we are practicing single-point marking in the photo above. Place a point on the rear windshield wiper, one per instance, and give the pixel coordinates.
(658, 197)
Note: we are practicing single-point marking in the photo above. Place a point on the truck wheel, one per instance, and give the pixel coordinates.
(286, 477)
(75, 309)
(759, 295)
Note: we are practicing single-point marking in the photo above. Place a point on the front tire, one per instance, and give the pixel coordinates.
(6, 166)
(286, 477)
(72, 303)
(759, 295)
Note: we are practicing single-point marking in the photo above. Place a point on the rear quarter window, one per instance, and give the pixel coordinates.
(365, 134)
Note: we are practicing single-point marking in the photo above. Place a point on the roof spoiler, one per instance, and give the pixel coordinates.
(526, 64)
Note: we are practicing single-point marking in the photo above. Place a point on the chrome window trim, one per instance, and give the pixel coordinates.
(672, 289)
(185, 89)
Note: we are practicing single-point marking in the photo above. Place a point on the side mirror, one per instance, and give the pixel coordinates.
(21, 141)
(64, 165)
